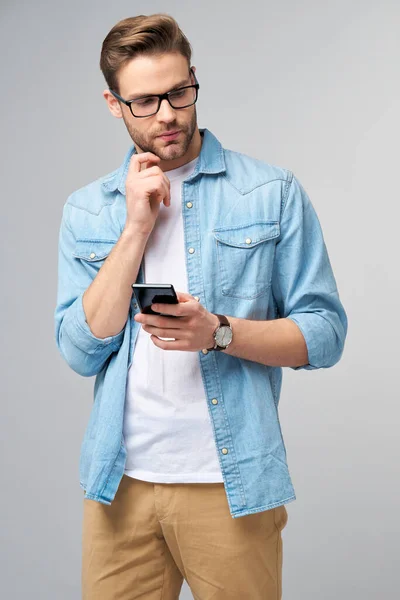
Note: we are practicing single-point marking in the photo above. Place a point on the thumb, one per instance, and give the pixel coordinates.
(184, 297)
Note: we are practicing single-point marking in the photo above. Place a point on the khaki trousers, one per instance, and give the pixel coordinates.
(154, 535)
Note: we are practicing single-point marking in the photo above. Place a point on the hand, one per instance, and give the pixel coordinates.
(146, 187)
(192, 331)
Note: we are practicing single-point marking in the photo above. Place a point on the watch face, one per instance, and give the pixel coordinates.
(223, 335)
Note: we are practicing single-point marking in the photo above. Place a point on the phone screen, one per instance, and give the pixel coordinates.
(147, 294)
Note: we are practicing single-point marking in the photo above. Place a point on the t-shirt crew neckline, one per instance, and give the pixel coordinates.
(182, 170)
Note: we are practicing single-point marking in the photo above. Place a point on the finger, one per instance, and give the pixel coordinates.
(160, 192)
(139, 161)
(187, 306)
(185, 297)
(170, 345)
(151, 171)
(176, 310)
(163, 192)
(158, 320)
(155, 171)
(156, 184)
(167, 194)
(165, 333)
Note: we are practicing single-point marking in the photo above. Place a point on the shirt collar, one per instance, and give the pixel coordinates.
(211, 161)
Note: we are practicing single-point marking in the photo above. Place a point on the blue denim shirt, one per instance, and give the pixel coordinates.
(259, 253)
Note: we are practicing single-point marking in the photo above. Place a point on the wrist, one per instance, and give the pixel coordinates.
(134, 233)
(222, 333)
(213, 327)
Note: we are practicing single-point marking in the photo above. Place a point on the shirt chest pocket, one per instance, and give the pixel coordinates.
(93, 252)
(245, 255)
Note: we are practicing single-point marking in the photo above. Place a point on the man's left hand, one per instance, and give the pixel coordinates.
(192, 331)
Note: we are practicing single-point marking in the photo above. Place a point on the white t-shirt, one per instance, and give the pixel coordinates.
(167, 427)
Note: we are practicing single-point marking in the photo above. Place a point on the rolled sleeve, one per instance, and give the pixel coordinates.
(83, 351)
(303, 284)
(82, 334)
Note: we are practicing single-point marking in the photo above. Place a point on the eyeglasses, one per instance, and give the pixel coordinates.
(149, 105)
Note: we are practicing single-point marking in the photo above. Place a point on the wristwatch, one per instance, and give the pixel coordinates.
(223, 334)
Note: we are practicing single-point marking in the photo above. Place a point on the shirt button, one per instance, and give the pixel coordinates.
(248, 240)
(224, 451)
(205, 351)
(214, 401)
(135, 305)
(189, 204)
(191, 250)
(196, 298)
(92, 255)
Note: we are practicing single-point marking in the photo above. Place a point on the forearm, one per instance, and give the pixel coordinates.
(106, 301)
(277, 342)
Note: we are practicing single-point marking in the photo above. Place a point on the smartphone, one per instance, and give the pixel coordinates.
(150, 293)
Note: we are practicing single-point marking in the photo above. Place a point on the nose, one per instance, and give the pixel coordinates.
(166, 112)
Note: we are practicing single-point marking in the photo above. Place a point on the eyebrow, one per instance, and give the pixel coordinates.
(176, 86)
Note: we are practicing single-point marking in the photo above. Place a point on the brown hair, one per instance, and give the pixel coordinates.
(134, 36)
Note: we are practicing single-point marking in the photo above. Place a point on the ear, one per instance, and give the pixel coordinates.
(192, 76)
(113, 104)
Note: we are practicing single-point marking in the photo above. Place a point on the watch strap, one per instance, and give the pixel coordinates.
(222, 321)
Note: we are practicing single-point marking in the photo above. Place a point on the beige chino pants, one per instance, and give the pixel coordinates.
(155, 535)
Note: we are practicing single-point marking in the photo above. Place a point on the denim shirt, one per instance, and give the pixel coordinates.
(254, 250)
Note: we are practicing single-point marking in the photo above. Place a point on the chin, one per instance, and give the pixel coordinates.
(171, 151)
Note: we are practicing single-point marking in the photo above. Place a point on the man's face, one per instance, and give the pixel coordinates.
(156, 75)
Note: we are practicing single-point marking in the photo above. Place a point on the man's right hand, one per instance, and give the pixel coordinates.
(146, 187)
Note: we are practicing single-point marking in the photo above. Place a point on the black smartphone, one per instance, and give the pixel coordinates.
(150, 293)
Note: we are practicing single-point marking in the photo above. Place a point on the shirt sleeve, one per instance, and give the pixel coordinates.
(83, 351)
(303, 283)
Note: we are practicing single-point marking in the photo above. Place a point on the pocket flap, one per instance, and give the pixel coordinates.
(247, 236)
(92, 250)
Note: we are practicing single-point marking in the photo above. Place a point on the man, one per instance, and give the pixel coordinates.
(183, 461)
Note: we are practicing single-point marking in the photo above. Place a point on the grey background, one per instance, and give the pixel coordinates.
(326, 83)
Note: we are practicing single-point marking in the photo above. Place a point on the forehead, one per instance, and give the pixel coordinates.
(152, 74)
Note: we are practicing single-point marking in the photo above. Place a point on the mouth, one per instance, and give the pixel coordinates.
(171, 135)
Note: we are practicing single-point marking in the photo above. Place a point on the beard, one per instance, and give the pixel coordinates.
(148, 141)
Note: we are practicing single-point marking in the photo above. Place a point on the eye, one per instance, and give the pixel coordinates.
(145, 101)
(178, 94)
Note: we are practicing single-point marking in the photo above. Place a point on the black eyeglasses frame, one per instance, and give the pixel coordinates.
(160, 97)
